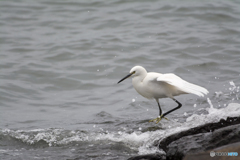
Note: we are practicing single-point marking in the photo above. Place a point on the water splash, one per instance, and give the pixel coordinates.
(139, 140)
(210, 103)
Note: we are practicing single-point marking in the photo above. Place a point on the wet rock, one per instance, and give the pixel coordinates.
(210, 127)
(235, 147)
(199, 140)
(149, 157)
(203, 142)
(202, 138)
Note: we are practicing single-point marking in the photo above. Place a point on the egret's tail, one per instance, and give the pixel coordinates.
(182, 85)
(194, 89)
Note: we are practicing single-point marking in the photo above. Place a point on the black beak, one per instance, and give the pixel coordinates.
(129, 75)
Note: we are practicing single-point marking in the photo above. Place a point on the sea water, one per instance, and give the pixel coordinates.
(60, 63)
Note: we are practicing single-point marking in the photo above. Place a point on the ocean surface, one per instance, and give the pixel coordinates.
(60, 62)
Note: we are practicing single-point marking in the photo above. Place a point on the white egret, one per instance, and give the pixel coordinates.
(154, 85)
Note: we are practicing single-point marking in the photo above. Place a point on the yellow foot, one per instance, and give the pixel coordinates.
(158, 119)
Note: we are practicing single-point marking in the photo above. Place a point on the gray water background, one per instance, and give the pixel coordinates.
(60, 63)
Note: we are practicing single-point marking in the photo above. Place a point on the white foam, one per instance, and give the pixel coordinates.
(137, 140)
(218, 94)
(144, 141)
(210, 103)
(232, 84)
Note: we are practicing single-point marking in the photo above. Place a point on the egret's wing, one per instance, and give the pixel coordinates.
(182, 85)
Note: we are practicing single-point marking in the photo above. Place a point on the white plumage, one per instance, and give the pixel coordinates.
(181, 84)
(154, 85)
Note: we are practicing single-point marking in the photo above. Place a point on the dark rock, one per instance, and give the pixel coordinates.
(203, 141)
(198, 140)
(210, 127)
(235, 147)
(149, 157)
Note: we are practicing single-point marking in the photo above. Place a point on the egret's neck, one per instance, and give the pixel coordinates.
(137, 80)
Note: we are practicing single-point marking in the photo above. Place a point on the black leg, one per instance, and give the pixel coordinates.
(160, 110)
(179, 106)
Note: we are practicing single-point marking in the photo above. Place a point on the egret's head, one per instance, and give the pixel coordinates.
(135, 71)
(138, 70)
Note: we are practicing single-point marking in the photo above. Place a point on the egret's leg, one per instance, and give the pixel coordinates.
(160, 110)
(179, 106)
(158, 119)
